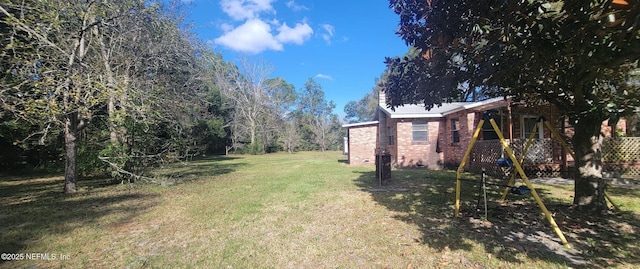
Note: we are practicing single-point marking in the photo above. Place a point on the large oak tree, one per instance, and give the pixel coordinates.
(576, 55)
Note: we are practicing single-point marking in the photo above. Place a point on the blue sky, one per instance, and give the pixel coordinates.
(340, 44)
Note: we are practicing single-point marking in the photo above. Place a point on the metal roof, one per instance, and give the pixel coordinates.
(359, 124)
(419, 111)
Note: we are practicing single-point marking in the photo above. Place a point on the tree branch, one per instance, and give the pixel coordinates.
(28, 29)
(122, 171)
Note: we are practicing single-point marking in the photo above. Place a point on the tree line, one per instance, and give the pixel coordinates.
(120, 86)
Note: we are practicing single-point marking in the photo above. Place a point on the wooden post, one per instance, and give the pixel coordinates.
(509, 120)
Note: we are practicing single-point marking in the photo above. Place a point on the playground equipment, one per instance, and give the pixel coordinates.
(554, 133)
(516, 164)
(521, 190)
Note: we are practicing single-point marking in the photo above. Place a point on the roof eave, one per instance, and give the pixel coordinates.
(359, 124)
(415, 116)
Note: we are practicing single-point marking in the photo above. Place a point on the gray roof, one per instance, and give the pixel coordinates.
(359, 124)
(419, 111)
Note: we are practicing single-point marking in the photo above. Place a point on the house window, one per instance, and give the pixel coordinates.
(527, 124)
(392, 138)
(420, 131)
(455, 131)
(488, 133)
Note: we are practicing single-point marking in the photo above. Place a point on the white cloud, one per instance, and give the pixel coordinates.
(330, 30)
(295, 7)
(297, 34)
(246, 9)
(320, 75)
(254, 36)
(274, 22)
(226, 27)
(258, 33)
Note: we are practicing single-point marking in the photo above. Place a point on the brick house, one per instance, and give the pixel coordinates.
(416, 137)
(438, 138)
(362, 140)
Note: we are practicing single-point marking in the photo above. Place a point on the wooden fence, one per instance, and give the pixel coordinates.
(621, 157)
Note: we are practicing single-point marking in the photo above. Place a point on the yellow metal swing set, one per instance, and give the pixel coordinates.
(517, 163)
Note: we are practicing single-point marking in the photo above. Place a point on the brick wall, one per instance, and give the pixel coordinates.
(417, 154)
(453, 152)
(362, 144)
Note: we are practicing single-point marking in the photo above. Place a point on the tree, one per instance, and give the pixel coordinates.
(215, 121)
(365, 108)
(633, 121)
(170, 89)
(574, 54)
(71, 63)
(290, 135)
(260, 104)
(246, 90)
(21, 139)
(282, 97)
(316, 113)
(52, 82)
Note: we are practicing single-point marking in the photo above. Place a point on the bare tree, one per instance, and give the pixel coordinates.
(247, 90)
(290, 136)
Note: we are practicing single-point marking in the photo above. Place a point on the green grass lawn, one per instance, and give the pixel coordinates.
(303, 210)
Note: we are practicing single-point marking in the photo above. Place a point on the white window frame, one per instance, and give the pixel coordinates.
(455, 130)
(524, 133)
(419, 126)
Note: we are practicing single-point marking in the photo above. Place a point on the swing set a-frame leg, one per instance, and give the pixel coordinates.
(534, 193)
(474, 138)
(519, 170)
(512, 179)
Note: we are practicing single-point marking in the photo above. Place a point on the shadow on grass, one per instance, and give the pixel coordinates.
(426, 199)
(34, 208)
(199, 169)
(30, 171)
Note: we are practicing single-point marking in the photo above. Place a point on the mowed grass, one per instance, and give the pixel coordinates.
(302, 210)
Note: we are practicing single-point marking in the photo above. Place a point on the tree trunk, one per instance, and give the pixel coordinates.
(253, 132)
(70, 146)
(589, 185)
(116, 135)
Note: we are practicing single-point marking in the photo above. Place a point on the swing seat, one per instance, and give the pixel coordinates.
(520, 190)
(505, 162)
